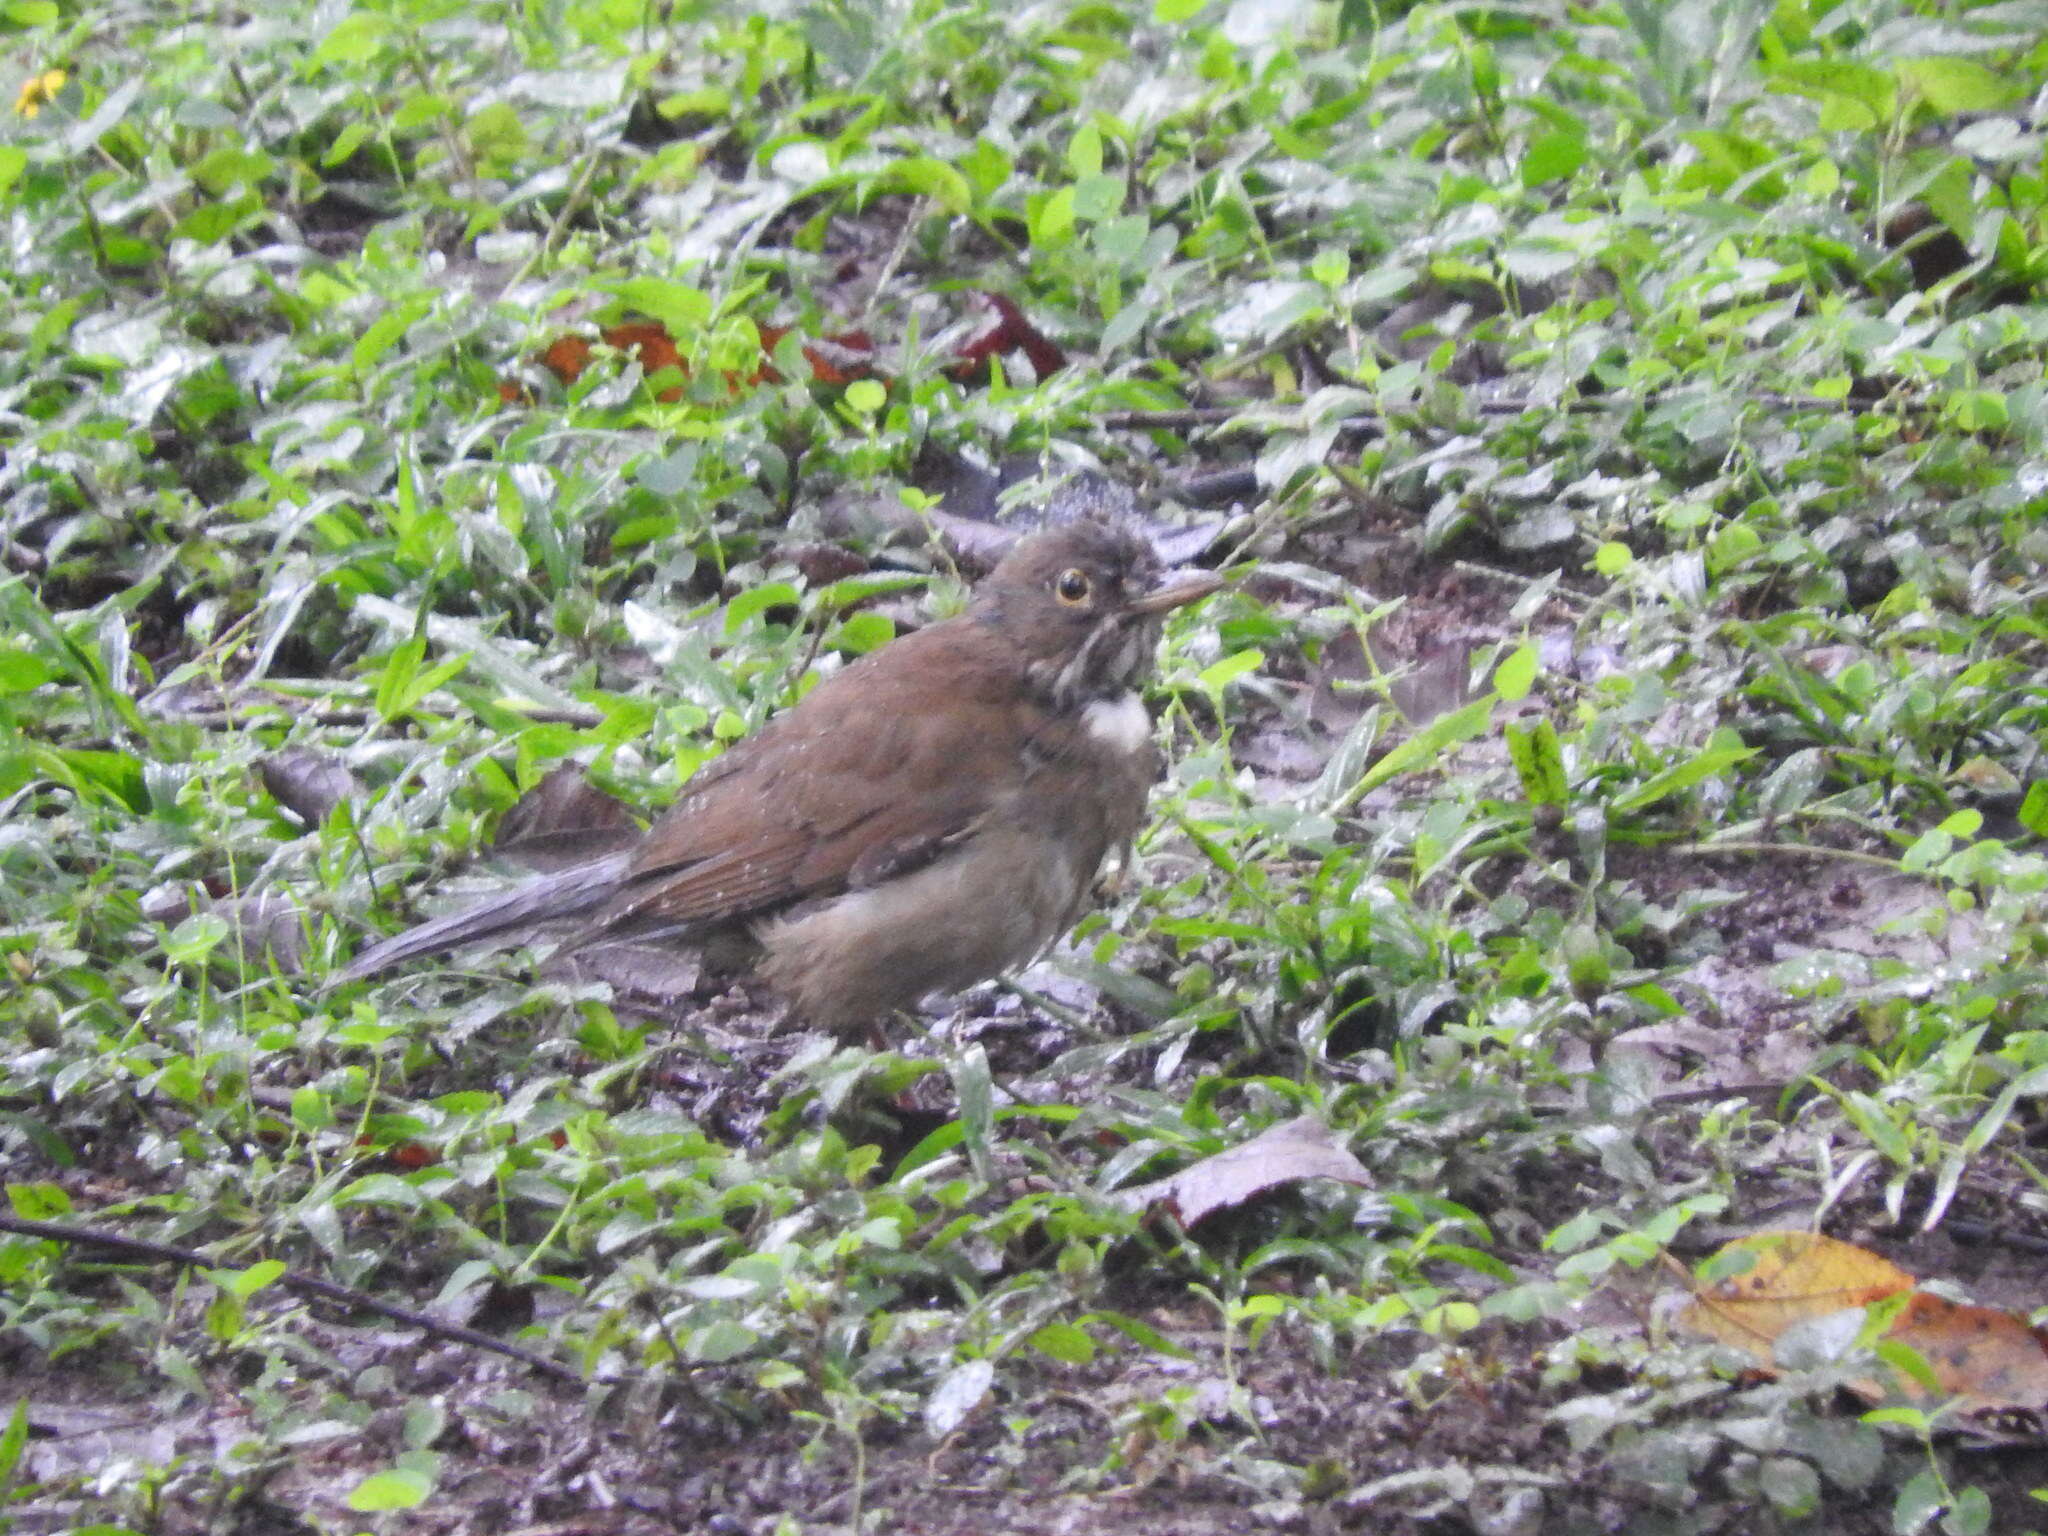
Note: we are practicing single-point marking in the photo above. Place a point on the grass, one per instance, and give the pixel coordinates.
(1611, 800)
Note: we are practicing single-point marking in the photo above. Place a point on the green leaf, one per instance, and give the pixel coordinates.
(986, 168)
(922, 175)
(1097, 198)
(106, 778)
(755, 601)
(244, 1283)
(724, 1340)
(1142, 1334)
(1539, 762)
(683, 309)
(1552, 157)
(974, 1090)
(12, 1439)
(860, 633)
(355, 39)
(2033, 811)
(195, 938)
(402, 685)
(1218, 675)
(354, 134)
(1515, 675)
(1423, 748)
(1084, 152)
(1976, 410)
(1051, 219)
(1951, 86)
(39, 1201)
(1853, 97)
(1725, 751)
(1065, 1342)
(396, 1488)
(13, 161)
(1612, 559)
(383, 333)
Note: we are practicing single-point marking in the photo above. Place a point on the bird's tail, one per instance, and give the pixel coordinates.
(574, 892)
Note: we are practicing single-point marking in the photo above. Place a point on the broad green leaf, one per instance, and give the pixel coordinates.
(39, 1201)
(245, 1283)
(1952, 85)
(1065, 1342)
(1084, 152)
(1422, 749)
(1539, 762)
(923, 175)
(396, 1488)
(1218, 675)
(1718, 757)
(683, 309)
(21, 672)
(1051, 219)
(1853, 97)
(12, 1439)
(1516, 674)
(1552, 157)
(355, 39)
(755, 601)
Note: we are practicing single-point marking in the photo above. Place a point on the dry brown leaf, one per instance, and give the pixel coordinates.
(1983, 1361)
(1302, 1148)
(1795, 1276)
(1982, 1357)
(564, 820)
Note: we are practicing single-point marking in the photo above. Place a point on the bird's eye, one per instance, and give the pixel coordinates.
(1073, 586)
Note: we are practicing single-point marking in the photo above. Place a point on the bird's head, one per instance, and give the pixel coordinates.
(1083, 603)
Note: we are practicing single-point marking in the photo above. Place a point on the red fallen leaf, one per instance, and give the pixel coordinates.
(409, 1155)
(566, 357)
(1011, 333)
(836, 359)
(654, 349)
(839, 358)
(648, 340)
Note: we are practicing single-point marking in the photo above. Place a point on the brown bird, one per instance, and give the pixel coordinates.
(930, 817)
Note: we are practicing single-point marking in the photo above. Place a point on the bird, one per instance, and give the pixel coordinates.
(930, 817)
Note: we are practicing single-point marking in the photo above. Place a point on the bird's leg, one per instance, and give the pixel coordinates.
(1059, 1013)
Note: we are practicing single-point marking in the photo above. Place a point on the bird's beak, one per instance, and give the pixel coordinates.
(1177, 591)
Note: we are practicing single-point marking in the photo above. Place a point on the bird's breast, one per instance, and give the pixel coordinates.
(1120, 723)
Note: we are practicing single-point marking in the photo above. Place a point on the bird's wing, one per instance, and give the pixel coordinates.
(865, 779)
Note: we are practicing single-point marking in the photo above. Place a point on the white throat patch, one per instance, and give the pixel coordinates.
(1121, 722)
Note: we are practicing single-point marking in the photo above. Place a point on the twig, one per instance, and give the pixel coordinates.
(1797, 850)
(1511, 405)
(291, 1279)
(1984, 1232)
(347, 716)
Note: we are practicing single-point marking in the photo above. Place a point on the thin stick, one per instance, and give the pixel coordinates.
(1797, 850)
(1514, 405)
(292, 1279)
